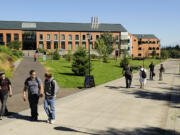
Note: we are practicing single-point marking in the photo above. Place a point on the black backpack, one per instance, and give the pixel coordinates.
(143, 74)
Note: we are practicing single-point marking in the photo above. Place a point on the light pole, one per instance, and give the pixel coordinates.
(89, 38)
(143, 57)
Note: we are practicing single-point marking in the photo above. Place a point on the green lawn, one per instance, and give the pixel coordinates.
(102, 72)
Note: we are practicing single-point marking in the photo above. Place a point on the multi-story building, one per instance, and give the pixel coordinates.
(62, 36)
(142, 45)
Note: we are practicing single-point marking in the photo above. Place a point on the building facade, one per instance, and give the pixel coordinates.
(142, 45)
(61, 36)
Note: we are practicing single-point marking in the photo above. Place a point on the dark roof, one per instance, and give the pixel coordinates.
(59, 26)
(145, 36)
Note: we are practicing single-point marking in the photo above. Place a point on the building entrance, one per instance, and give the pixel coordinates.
(29, 40)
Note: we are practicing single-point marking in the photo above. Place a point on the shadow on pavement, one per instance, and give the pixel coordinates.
(113, 131)
(21, 117)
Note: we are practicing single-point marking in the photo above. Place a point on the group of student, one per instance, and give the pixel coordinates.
(128, 73)
(34, 87)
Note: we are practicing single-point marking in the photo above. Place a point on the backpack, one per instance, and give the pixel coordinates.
(56, 86)
(143, 74)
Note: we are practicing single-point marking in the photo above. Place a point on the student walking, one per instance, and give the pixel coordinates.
(5, 90)
(128, 75)
(143, 76)
(161, 70)
(50, 89)
(151, 67)
(35, 90)
(35, 57)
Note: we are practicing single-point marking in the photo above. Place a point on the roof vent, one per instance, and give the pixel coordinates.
(94, 23)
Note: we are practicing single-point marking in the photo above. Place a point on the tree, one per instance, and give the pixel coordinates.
(101, 49)
(56, 55)
(14, 45)
(164, 54)
(69, 55)
(108, 41)
(80, 64)
(124, 62)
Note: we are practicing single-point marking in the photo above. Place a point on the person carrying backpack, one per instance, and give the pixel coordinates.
(127, 71)
(35, 90)
(50, 90)
(161, 70)
(5, 90)
(143, 76)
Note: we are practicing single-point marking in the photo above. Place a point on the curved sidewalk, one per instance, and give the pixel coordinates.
(110, 109)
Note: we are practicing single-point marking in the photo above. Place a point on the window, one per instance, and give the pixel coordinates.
(63, 45)
(157, 48)
(48, 37)
(48, 45)
(69, 45)
(157, 54)
(153, 42)
(40, 37)
(55, 44)
(1, 39)
(117, 38)
(150, 48)
(153, 48)
(146, 42)
(117, 45)
(139, 48)
(70, 37)
(150, 42)
(135, 40)
(77, 45)
(91, 45)
(83, 37)
(84, 44)
(139, 54)
(8, 38)
(55, 37)
(77, 37)
(62, 37)
(16, 37)
(97, 37)
(41, 45)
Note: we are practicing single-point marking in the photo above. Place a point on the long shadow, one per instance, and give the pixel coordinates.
(114, 87)
(22, 117)
(139, 131)
(114, 131)
(70, 74)
(67, 66)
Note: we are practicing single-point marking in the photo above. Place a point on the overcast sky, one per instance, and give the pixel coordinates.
(159, 17)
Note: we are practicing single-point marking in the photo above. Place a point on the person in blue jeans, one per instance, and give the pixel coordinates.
(50, 97)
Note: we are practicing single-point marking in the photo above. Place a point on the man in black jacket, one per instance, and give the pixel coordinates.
(151, 67)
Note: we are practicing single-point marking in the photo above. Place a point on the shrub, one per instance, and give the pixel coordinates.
(124, 62)
(105, 59)
(56, 55)
(69, 56)
(17, 53)
(14, 45)
(93, 56)
(80, 62)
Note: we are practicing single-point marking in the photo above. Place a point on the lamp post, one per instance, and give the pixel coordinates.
(89, 38)
(143, 57)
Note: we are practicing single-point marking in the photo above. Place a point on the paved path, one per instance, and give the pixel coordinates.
(110, 109)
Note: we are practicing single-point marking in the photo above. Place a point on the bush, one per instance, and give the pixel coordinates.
(80, 64)
(68, 56)
(17, 53)
(14, 45)
(124, 62)
(105, 59)
(93, 56)
(56, 55)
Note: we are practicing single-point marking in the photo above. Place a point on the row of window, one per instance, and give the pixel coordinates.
(147, 42)
(63, 45)
(8, 38)
(150, 48)
(150, 54)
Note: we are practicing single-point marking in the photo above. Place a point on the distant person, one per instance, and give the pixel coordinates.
(143, 76)
(35, 90)
(151, 67)
(127, 71)
(50, 89)
(161, 70)
(5, 90)
(35, 57)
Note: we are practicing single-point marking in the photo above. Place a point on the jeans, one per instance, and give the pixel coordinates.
(3, 98)
(50, 102)
(128, 81)
(33, 103)
(151, 75)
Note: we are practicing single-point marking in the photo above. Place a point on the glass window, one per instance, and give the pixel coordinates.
(62, 37)
(139, 54)
(41, 45)
(157, 48)
(63, 45)
(70, 37)
(84, 44)
(69, 45)
(48, 45)
(55, 44)
(55, 37)
(1, 37)
(97, 36)
(48, 37)
(40, 36)
(77, 45)
(139, 48)
(153, 48)
(83, 37)
(117, 37)
(117, 45)
(16, 37)
(157, 54)
(77, 37)
(8, 38)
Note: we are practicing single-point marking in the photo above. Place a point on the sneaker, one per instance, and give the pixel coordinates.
(48, 120)
(0, 117)
(52, 121)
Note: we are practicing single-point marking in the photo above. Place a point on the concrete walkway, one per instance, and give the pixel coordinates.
(111, 109)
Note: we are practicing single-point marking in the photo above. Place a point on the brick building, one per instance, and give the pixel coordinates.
(62, 36)
(142, 45)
